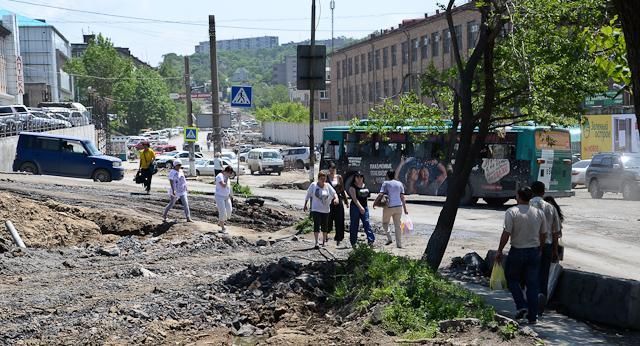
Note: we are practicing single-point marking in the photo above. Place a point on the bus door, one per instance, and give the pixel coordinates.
(552, 164)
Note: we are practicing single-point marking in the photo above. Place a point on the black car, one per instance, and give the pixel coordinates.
(614, 172)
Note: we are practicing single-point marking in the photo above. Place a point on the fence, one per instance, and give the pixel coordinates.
(11, 124)
(295, 133)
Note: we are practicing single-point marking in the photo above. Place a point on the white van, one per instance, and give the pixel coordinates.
(265, 161)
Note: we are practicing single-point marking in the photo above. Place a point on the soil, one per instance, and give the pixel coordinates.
(101, 268)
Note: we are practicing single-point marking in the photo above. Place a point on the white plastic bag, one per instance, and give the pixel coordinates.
(406, 225)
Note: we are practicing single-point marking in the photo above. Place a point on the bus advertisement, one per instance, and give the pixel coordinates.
(508, 160)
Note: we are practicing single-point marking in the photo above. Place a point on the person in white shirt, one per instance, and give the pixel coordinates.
(178, 190)
(321, 194)
(223, 196)
(393, 189)
(217, 163)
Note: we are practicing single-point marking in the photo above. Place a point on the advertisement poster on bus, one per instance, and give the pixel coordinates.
(610, 132)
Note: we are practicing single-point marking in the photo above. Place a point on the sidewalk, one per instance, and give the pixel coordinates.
(553, 328)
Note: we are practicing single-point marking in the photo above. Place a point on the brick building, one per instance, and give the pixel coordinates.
(389, 62)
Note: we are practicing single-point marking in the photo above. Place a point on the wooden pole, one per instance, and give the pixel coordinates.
(187, 89)
(215, 101)
(312, 150)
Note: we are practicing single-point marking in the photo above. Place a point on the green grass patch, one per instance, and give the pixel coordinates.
(415, 298)
(305, 225)
(241, 190)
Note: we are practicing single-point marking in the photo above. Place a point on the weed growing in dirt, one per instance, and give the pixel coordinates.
(414, 298)
(508, 331)
(241, 190)
(304, 226)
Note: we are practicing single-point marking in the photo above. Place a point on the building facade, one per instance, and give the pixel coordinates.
(249, 43)
(11, 72)
(78, 49)
(389, 62)
(286, 72)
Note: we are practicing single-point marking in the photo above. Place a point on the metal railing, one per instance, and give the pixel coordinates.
(11, 124)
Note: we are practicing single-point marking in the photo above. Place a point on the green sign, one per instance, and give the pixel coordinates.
(609, 98)
(190, 134)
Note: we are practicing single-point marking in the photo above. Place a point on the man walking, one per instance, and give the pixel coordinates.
(550, 247)
(147, 167)
(526, 227)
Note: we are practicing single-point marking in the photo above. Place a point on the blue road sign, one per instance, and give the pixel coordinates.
(241, 96)
(190, 134)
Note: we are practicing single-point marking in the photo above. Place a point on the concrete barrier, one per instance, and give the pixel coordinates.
(8, 144)
(599, 298)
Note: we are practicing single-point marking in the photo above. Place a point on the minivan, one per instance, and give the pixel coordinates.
(265, 161)
(39, 153)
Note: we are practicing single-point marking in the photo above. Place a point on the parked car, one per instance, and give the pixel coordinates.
(161, 149)
(166, 159)
(299, 157)
(205, 167)
(133, 141)
(614, 172)
(39, 153)
(10, 121)
(265, 161)
(53, 120)
(578, 171)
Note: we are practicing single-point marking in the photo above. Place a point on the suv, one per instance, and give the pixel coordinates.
(614, 172)
(265, 161)
(298, 157)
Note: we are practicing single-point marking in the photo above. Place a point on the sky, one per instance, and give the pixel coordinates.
(186, 21)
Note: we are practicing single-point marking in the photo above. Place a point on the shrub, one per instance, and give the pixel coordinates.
(241, 190)
(305, 225)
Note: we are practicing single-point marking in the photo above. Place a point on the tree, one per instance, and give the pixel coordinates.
(266, 95)
(291, 112)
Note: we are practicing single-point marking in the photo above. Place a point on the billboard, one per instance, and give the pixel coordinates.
(611, 132)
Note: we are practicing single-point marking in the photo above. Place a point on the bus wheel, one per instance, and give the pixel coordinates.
(468, 199)
(594, 189)
(496, 202)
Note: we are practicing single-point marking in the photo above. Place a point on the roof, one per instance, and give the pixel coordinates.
(41, 134)
(24, 21)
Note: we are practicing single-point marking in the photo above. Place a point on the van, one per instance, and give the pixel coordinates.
(296, 157)
(265, 161)
(39, 153)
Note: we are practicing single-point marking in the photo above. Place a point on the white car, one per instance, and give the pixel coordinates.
(229, 155)
(578, 171)
(205, 167)
(298, 157)
(265, 161)
(166, 160)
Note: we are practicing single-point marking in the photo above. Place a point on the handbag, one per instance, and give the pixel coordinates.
(139, 178)
(153, 168)
(382, 201)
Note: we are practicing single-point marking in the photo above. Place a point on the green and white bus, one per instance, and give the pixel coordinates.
(510, 159)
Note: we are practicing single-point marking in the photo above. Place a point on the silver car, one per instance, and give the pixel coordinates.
(578, 171)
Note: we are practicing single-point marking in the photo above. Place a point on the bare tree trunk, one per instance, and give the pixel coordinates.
(628, 12)
(453, 133)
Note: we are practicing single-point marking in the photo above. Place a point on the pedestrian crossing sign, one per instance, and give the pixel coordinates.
(190, 134)
(241, 96)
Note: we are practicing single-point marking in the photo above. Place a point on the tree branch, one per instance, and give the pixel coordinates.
(453, 40)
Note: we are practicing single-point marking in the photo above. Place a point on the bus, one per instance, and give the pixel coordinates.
(512, 158)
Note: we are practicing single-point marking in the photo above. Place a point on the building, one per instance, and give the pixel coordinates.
(241, 75)
(389, 62)
(44, 52)
(249, 43)
(11, 72)
(78, 49)
(286, 72)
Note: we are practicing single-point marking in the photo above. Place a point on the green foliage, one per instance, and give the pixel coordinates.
(415, 298)
(508, 331)
(305, 225)
(241, 190)
(265, 96)
(609, 49)
(291, 112)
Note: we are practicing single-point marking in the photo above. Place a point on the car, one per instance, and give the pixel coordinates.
(51, 118)
(161, 149)
(614, 172)
(75, 117)
(264, 160)
(205, 167)
(229, 155)
(153, 135)
(298, 157)
(166, 160)
(578, 171)
(11, 120)
(133, 141)
(39, 153)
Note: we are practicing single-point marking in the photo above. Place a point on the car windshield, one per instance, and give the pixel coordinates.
(631, 161)
(270, 155)
(93, 151)
(172, 154)
(582, 164)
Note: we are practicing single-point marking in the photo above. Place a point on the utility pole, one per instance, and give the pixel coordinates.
(312, 99)
(187, 87)
(332, 5)
(215, 102)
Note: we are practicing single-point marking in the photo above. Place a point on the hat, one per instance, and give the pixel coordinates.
(177, 163)
(358, 174)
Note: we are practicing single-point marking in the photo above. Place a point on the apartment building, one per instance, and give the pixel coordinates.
(389, 62)
(249, 43)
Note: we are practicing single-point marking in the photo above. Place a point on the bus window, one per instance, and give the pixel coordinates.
(332, 150)
(385, 149)
(498, 151)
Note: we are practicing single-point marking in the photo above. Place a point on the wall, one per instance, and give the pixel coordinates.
(295, 133)
(8, 144)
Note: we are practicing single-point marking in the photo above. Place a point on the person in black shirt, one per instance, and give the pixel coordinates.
(336, 215)
(359, 210)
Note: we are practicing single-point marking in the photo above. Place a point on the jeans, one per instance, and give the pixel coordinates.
(355, 217)
(147, 175)
(545, 265)
(387, 214)
(524, 264)
(320, 221)
(336, 216)
(225, 208)
(185, 206)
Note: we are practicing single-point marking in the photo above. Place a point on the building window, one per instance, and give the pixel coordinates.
(378, 91)
(377, 59)
(446, 43)
(424, 44)
(385, 86)
(323, 95)
(414, 49)
(324, 116)
(364, 93)
(356, 64)
(362, 63)
(344, 68)
(356, 94)
(385, 57)
(405, 52)
(339, 97)
(370, 61)
(394, 58)
(345, 97)
(435, 44)
(458, 31)
(394, 86)
(350, 95)
(328, 75)
(338, 69)
(405, 85)
(350, 66)
(371, 90)
(472, 34)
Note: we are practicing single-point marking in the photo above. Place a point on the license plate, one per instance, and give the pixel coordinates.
(268, 169)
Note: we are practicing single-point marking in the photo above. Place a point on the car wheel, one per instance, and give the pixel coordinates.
(279, 173)
(299, 164)
(629, 191)
(29, 167)
(573, 186)
(197, 172)
(594, 189)
(102, 176)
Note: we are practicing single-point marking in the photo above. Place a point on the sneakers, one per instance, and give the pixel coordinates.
(189, 220)
(389, 242)
(337, 243)
(520, 314)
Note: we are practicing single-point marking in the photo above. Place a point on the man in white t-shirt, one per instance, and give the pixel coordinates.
(223, 196)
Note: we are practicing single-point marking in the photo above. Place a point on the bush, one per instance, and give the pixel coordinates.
(415, 298)
(305, 225)
(241, 190)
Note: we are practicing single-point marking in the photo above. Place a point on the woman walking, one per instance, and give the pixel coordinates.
(394, 190)
(147, 167)
(223, 196)
(359, 210)
(336, 214)
(321, 195)
(178, 190)
(217, 163)
(560, 250)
